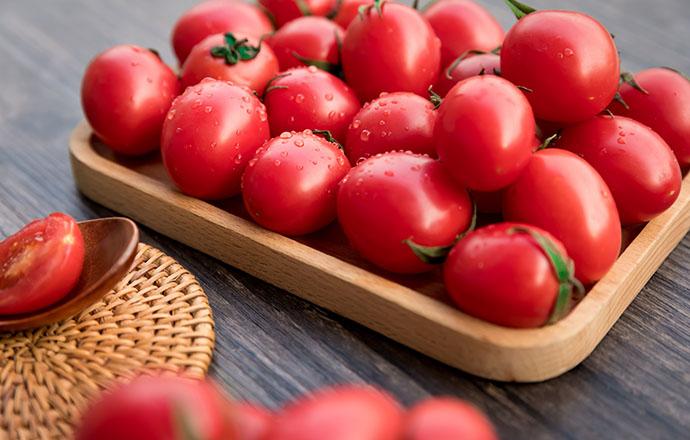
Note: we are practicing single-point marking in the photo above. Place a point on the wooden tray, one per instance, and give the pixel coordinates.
(413, 310)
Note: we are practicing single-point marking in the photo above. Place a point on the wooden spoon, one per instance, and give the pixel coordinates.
(110, 246)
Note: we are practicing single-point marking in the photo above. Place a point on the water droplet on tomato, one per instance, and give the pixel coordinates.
(178, 130)
(171, 114)
(284, 153)
(299, 98)
(389, 173)
(299, 143)
(568, 52)
(359, 181)
(386, 113)
(286, 135)
(621, 140)
(332, 114)
(364, 135)
(560, 55)
(196, 103)
(382, 122)
(246, 98)
(208, 109)
(276, 162)
(312, 69)
(415, 168)
(238, 158)
(356, 123)
(382, 94)
(328, 96)
(340, 160)
(360, 160)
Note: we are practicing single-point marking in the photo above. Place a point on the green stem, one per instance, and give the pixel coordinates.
(233, 51)
(629, 78)
(519, 9)
(326, 134)
(434, 97)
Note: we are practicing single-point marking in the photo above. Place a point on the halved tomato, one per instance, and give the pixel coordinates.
(40, 264)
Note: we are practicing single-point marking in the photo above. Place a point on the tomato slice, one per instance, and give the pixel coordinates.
(40, 264)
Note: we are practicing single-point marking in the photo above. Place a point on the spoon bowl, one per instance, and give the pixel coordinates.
(110, 245)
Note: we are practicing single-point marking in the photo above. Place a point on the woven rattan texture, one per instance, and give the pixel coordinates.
(157, 318)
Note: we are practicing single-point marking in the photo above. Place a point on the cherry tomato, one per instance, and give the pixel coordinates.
(284, 11)
(502, 273)
(486, 64)
(210, 134)
(485, 132)
(217, 16)
(340, 413)
(567, 59)
(252, 421)
(562, 194)
(348, 10)
(391, 49)
(290, 185)
(314, 39)
(390, 198)
(635, 162)
(227, 57)
(310, 98)
(664, 107)
(125, 93)
(159, 408)
(40, 264)
(445, 418)
(394, 121)
(463, 25)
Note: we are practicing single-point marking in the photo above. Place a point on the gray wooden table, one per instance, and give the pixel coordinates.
(272, 346)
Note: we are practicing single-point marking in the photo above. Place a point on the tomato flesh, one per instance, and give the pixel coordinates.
(40, 264)
(485, 64)
(284, 11)
(253, 421)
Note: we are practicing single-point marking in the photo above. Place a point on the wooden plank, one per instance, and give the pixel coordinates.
(142, 191)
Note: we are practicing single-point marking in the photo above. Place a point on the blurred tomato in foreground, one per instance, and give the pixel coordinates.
(446, 418)
(340, 413)
(159, 408)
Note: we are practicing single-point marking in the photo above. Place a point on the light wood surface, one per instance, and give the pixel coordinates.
(322, 270)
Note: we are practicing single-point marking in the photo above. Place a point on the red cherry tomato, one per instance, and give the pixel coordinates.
(348, 10)
(664, 108)
(308, 38)
(284, 11)
(562, 194)
(217, 16)
(310, 98)
(485, 132)
(125, 93)
(487, 63)
(209, 136)
(290, 185)
(159, 408)
(394, 121)
(635, 162)
(445, 418)
(501, 273)
(40, 264)
(394, 50)
(463, 25)
(252, 421)
(567, 59)
(340, 413)
(397, 196)
(219, 57)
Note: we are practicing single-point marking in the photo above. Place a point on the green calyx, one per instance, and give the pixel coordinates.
(519, 9)
(321, 64)
(464, 55)
(326, 134)
(366, 9)
(234, 50)
(619, 98)
(303, 7)
(434, 97)
(438, 254)
(549, 140)
(563, 268)
(629, 78)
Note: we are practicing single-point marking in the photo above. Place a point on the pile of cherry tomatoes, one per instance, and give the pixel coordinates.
(166, 408)
(402, 124)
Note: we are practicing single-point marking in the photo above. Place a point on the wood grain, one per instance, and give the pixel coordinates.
(329, 275)
(271, 346)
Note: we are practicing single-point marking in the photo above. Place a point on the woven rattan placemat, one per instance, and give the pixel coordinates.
(157, 318)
